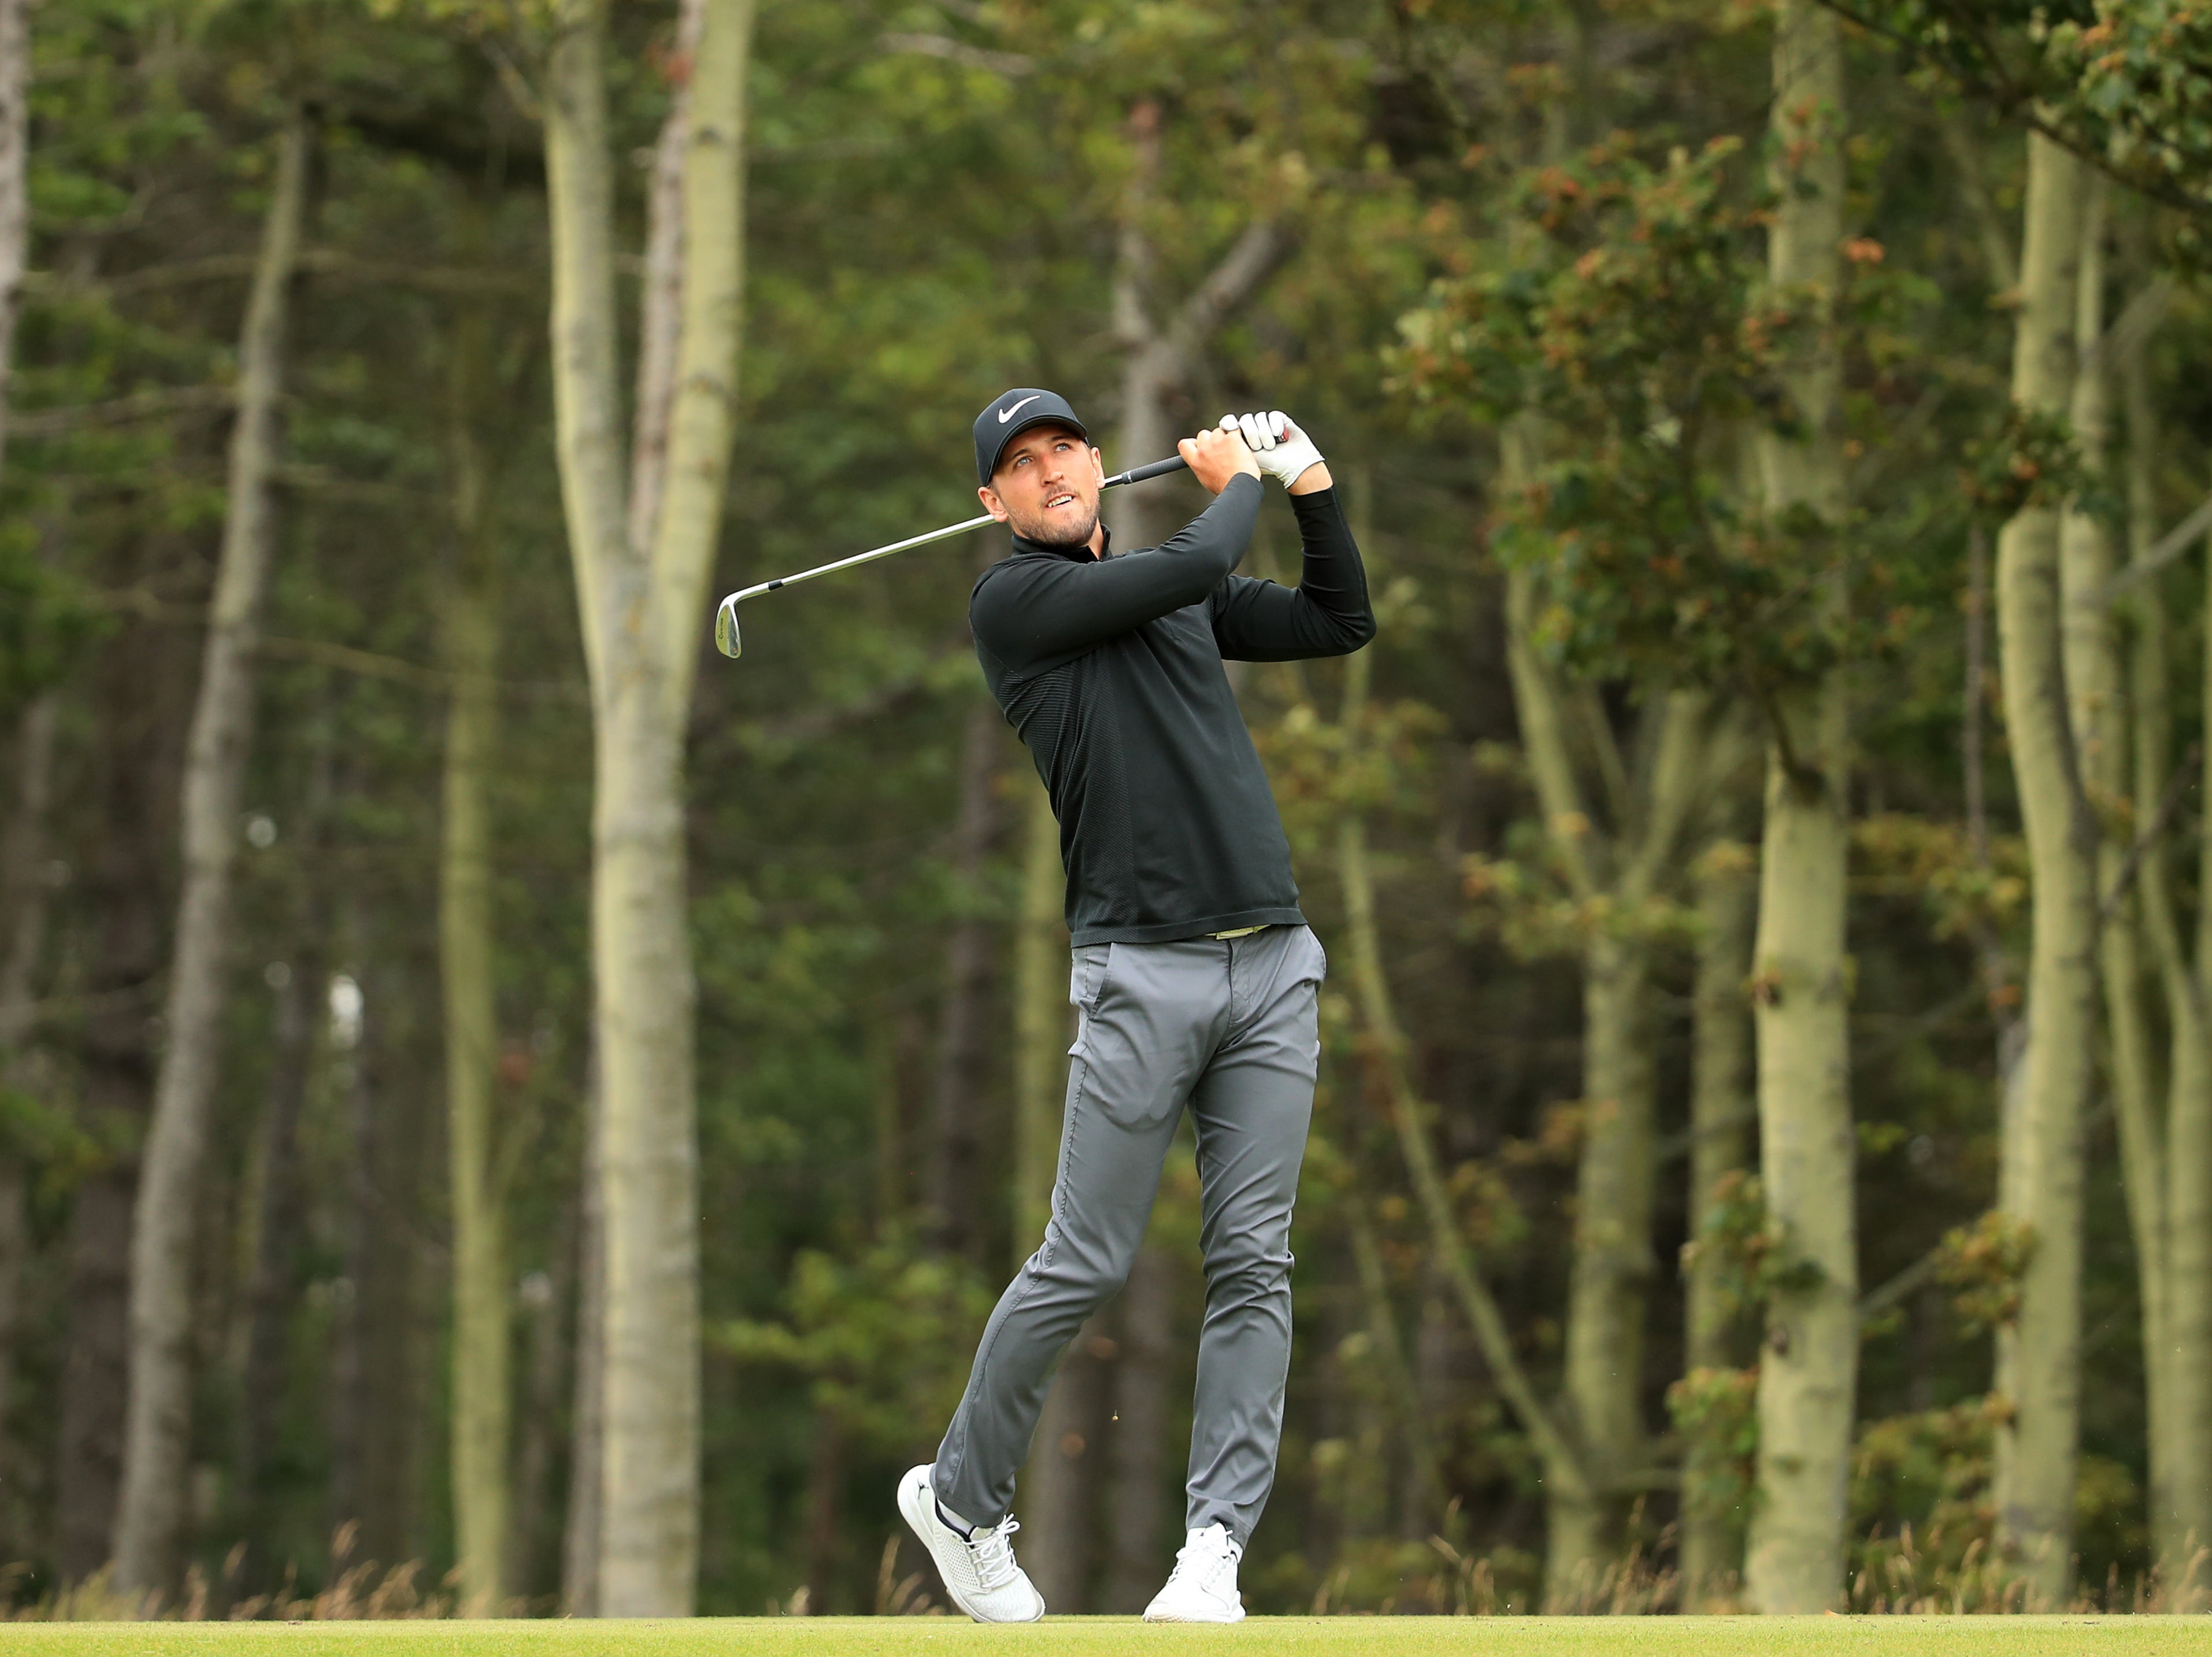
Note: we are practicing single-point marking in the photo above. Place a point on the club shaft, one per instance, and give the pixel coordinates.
(1134, 475)
(949, 530)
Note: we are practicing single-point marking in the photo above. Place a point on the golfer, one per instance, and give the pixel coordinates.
(1195, 977)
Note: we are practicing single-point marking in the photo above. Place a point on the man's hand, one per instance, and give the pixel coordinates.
(1215, 457)
(1282, 450)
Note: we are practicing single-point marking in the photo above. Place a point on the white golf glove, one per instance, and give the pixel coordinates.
(1282, 450)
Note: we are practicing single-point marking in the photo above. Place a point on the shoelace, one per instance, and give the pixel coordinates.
(993, 1554)
(1204, 1562)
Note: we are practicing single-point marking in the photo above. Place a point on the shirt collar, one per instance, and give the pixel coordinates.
(1078, 552)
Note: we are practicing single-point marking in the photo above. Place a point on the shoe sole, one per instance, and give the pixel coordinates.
(917, 1505)
(1239, 1617)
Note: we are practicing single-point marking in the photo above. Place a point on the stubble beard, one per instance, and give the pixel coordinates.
(1043, 532)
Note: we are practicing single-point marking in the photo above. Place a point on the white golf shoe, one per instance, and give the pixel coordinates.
(977, 1565)
(1203, 1587)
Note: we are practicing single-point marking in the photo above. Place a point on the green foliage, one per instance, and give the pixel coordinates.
(883, 1339)
(1757, 1263)
(47, 620)
(1921, 1516)
(1717, 1413)
(2031, 460)
(1527, 902)
(1633, 316)
(1934, 862)
(1981, 1265)
(2126, 82)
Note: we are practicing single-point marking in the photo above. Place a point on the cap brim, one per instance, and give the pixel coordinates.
(1020, 426)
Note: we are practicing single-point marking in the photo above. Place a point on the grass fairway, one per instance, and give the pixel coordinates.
(1095, 1636)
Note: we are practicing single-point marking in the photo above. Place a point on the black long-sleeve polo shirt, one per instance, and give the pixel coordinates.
(1111, 669)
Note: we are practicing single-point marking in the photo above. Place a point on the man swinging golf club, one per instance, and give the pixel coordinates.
(1195, 975)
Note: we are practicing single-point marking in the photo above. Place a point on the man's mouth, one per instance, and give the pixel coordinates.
(1057, 502)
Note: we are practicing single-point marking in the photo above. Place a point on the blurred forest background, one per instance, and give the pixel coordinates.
(1764, 1151)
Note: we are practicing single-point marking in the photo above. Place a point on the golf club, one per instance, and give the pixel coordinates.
(725, 615)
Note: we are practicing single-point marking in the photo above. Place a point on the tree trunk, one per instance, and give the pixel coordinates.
(641, 602)
(2040, 1354)
(150, 1516)
(124, 897)
(2182, 1475)
(579, 1538)
(2179, 1453)
(1612, 1267)
(964, 1046)
(1421, 1492)
(1809, 1371)
(1721, 1114)
(1615, 860)
(2167, 1163)
(481, 1339)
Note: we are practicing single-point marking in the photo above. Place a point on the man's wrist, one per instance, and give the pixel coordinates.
(1314, 479)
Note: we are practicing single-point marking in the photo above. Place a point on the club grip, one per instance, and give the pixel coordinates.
(1157, 469)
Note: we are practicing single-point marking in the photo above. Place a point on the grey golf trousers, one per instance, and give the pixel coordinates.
(1229, 1027)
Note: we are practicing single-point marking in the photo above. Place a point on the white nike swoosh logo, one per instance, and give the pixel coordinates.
(1006, 415)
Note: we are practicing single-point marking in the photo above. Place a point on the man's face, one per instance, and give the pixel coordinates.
(1047, 487)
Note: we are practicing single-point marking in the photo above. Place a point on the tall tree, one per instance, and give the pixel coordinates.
(2165, 1139)
(1808, 1368)
(150, 1515)
(642, 557)
(2039, 1352)
(1616, 850)
(481, 1335)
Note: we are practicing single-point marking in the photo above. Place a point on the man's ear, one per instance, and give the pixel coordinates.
(1098, 460)
(992, 503)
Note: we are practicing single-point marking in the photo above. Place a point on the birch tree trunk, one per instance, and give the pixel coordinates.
(2168, 1162)
(2104, 735)
(481, 1317)
(2182, 1529)
(2038, 1356)
(1615, 858)
(1721, 1114)
(1794, 1558)
(641, 601)
(149, 1517)
(580, 1530)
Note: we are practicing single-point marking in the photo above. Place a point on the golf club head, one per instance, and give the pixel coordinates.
(725, 628)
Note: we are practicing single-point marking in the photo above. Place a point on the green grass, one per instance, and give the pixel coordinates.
(1085, 1636)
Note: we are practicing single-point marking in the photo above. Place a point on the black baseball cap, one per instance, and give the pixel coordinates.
(1013, 411)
